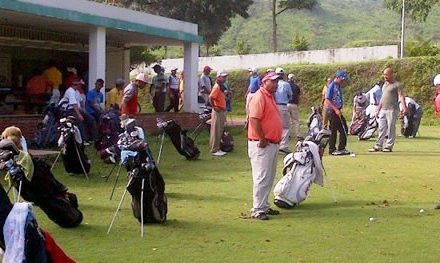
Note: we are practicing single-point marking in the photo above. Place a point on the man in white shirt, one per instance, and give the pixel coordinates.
(173, 93)
(73, 108)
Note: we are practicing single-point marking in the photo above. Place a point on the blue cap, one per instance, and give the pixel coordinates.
(341, 74)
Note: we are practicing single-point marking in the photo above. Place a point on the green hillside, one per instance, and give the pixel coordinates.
(332, 24)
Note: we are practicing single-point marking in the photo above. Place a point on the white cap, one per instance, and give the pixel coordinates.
(142, 77)
(291, 76)
(254, 70)
(437, 80)
(222, 73)
(279, 70)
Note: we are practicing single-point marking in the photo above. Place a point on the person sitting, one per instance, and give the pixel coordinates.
(38, 90)
(95, 99)
(114, 96)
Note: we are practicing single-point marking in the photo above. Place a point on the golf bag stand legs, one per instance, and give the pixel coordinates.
(54, 162)
(116, 181)
(162, 139)
(119, 206)
(80, 161)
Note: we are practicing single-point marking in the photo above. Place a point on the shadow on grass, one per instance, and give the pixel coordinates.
(195, 197)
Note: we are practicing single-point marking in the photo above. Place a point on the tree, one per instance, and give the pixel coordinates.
(283, 6)
(300, 43)
(212, 16)
(418, 10)
(242, 47)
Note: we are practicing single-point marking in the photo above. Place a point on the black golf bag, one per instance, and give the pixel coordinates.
(227, 142)
(181, 141)
(43, 188)
(47, 130)
(407, 121)
(74, 158)
(301, 169)
(5, 208)
(108, 129)
(147, 187)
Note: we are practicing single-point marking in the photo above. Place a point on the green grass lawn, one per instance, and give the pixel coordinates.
(207, 197)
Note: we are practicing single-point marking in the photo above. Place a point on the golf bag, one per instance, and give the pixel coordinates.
(314, 123)
(74, 158)
(5, 208)
(368, 130)
(227, 142)
(147, 187)
(181, 141)
(407, 121)
(301, 169)
(42, 188)
(359, 118)
(47, 130)
(109, 129)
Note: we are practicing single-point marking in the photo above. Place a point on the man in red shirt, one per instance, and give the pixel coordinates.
(130, 97)
(264, 136)
(218, 116)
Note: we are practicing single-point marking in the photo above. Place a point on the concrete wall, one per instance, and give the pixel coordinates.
(327, 56)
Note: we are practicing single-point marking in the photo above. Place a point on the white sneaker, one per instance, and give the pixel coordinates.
(86, 143)
(218, 153)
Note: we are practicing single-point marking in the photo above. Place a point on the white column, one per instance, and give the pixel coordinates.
(190, 66)
(126, 66)
(97, 56)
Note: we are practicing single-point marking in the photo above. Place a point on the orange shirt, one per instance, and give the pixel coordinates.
(263, 107)
(218, 97)
(37, 85)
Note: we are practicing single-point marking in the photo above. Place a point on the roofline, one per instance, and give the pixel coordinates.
(75, 16)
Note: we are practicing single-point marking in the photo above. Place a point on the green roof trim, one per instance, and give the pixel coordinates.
(76, 16)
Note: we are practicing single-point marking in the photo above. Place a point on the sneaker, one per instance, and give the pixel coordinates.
(343, 152)
(272, 212)
(218, 153)
(261, 216)
(374, 149)
(86, 143)
(336, 152)
(387, 150)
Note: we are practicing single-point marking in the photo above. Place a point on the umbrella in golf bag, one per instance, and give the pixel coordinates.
(301, 169)
(35, 182)
(72, 152)
(181, 141)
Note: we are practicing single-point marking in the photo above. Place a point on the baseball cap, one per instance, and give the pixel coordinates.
(291, 76)
(341, 74)
(279, 70)
(120, 81)
(222, 73)
(269, 70)
(142, 77)
(437, 80)
(271, 76)
(254, 70)
(207, 68)
(174, 69)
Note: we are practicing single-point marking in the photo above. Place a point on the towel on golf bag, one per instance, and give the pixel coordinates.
(72, 153)
(227, 142)
(23, 239)
(302, 168)
(50, 195)
(181, 141)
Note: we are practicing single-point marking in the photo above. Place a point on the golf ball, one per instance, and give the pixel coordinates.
(371, 218)
(422, 210)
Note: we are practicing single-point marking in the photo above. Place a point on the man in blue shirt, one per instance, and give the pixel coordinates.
(95, 99)
(282, 95)
(334, 102)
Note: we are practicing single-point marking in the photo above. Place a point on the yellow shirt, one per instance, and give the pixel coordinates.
(26, 163)
(53, 75)
(114, 96)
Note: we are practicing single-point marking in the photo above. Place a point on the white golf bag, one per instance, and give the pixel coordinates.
(300, 170)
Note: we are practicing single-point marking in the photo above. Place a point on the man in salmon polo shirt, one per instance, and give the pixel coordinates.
(264, 136)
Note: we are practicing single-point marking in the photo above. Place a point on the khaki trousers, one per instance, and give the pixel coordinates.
(218, 119)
